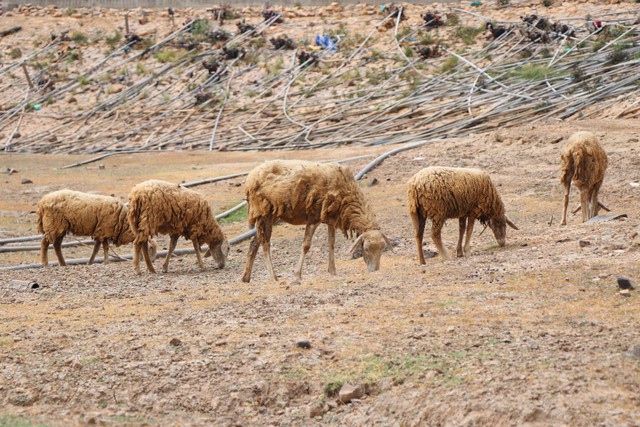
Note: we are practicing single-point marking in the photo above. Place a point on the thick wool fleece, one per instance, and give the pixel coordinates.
(300, 192)
(82, 214)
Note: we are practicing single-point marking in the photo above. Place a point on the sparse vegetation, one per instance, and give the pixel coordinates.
(468, 34)
(166, 55)
(449, 64)
(15, 53)
(533, 72)
(239, 215)
(79, 37)
(114, 39)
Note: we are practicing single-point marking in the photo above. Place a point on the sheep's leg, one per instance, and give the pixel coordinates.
(595, 206)
(436, 236)
(418, 225)
(306, 245)
(584, 204)
(467, 243)
(567, 189)
(196, 247)
(172, 247)
(44, 252)
(251, 256)
(332, 245)
(105, 247)
(144, 247)
(462, 222)
(96, 247)
(136, 258)
(264, 233)
(57, 245)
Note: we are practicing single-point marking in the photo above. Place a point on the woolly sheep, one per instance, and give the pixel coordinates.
(163, 207)
(585, 162)
(439, 193)
(103, 218)
(301, 192)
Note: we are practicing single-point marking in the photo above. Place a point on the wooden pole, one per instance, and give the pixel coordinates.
(26, 74)
(126, 22)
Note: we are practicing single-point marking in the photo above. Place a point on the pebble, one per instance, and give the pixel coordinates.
(26, 181)
(175, 342)
(348, 392)
(303, 344)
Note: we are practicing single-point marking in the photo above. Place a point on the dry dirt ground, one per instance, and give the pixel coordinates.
(534, 333)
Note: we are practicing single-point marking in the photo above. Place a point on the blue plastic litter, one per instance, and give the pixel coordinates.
(37, 107)
(326, 42)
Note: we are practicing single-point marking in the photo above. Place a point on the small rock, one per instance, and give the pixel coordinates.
(303, 344)
(624, 283)
(26, 181)
(116, 88)
(584, 243)
(633, 352)
(349, 392)
(317, 410)
(625, 293)
(373, 182)
(21, 397)
(175, 342)
(72, 100)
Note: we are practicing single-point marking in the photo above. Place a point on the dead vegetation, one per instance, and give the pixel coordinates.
(110, 90)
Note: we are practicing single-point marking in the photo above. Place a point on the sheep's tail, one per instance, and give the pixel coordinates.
(580, 163)
(133, 216)
(39, 222)
(413, 202)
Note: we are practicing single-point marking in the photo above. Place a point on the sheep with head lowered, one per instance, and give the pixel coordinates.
(162, 207)
(103, 218)
(308, 193)
(440, 193)
(584, 162)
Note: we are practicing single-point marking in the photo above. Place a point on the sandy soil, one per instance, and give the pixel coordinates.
(534, 333)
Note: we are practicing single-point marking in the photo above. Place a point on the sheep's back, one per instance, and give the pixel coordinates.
(81, 214)
(443, 193)
(589, 158)
(162, 207)
(294, 191)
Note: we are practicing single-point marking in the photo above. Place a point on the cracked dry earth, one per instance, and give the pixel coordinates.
(534, 333)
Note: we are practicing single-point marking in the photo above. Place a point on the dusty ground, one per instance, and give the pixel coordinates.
(533, 333)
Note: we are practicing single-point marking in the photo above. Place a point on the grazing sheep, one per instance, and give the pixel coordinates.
(585, 162)
(103, 218)
(439, 193)
(309, 193)
(163, 207)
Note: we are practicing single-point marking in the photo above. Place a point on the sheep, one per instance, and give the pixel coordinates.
(302, 192)
(584, 162)
(439, 193)
(103, 218)
(162, 207)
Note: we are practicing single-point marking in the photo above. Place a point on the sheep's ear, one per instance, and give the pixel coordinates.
(357, 245)
(208, 253)
(510, 224)
(389, 245)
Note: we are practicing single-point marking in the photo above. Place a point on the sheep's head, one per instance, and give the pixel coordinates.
(499, 228)
(371, 244)
(153, 249)
(219, 251)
